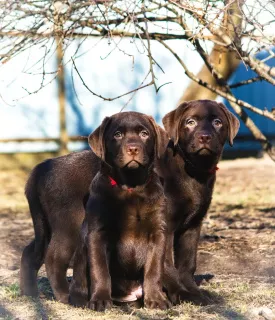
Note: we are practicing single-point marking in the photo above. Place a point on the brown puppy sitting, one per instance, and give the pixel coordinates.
(57, 191)
(123, 235)
(199, 130)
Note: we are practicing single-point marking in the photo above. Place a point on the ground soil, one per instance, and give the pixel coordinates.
(237, 250)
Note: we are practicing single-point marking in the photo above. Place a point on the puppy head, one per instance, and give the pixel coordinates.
(201, 127)
(128, 140)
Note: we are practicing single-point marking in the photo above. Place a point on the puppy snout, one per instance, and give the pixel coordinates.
(204, 138)
(132, 149)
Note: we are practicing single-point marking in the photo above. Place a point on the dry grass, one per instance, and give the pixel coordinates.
(237, 247)
(239, 297)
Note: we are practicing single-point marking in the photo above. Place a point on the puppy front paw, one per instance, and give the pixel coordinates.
(156, 300)
(198, 297)
(64, 298)
(175, 295)
(78, 300)
(100, 305)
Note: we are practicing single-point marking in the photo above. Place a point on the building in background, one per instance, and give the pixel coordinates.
(259, 94)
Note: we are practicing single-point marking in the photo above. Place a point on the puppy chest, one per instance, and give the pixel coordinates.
(189, 210)
(137, 223)
(133, 235)
(131, 252)
(135, 232)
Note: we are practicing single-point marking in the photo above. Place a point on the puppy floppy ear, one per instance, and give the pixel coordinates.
(233, 123)
(162, 138)
(96, 140)
(172, 121)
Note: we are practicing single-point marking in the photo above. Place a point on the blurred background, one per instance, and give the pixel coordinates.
(46, 101)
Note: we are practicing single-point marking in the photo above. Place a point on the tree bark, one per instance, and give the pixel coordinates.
(64, 139)
(58, 28)
(223, 60)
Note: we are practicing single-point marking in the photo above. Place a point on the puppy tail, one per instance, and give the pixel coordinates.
(42, 230)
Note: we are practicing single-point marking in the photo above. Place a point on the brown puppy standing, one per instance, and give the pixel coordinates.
(199, 130)
(57, 191)
(123, 235)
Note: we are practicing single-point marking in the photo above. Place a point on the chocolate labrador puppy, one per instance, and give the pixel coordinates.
(58, 189)
(198, 132)
(123, 235)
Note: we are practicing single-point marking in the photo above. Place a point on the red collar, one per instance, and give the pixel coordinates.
(114, 183)
(213, 170)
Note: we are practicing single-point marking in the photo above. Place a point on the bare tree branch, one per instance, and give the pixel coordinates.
(234, 30)
(242, 83)
(236, 104)
(109, 99)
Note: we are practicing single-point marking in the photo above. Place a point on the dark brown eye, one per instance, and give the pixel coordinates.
(144, 133)
(191, 123)
(118, 135)
(217, 123)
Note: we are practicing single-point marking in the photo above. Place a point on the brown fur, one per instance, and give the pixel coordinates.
(123, 235)
(188, 171)
(58, 189)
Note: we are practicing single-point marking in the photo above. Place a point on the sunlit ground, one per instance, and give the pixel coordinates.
(237, 247)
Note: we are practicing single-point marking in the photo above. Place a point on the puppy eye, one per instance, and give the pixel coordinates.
(144, 134)
(191, 123)
(217, 123)
(118, 135)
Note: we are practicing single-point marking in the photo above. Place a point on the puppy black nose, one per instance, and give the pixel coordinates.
(204, 138)
(132, 149)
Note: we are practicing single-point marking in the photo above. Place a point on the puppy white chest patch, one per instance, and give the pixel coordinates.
(135, 294)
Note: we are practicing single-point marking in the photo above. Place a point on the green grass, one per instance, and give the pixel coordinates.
(10, 292)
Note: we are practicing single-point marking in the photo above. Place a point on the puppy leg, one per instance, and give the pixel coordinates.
(100, 286)
(186, 257)
(154, 297)
(171, 279)
(79, 285)
(186, 261)
(31, 261)
(57, 261)
(34, 254)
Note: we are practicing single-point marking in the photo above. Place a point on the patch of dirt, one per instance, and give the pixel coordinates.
(15, 221)
(238, 235)
(237, 247)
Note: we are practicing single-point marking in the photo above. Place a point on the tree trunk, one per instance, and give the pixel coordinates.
(58, 25)
(224, 61)
(63, 144)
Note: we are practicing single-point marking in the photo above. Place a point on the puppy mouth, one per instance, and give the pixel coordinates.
(205, 151)
(133, 164)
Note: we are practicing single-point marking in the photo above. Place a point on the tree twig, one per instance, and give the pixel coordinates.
(104, 98)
